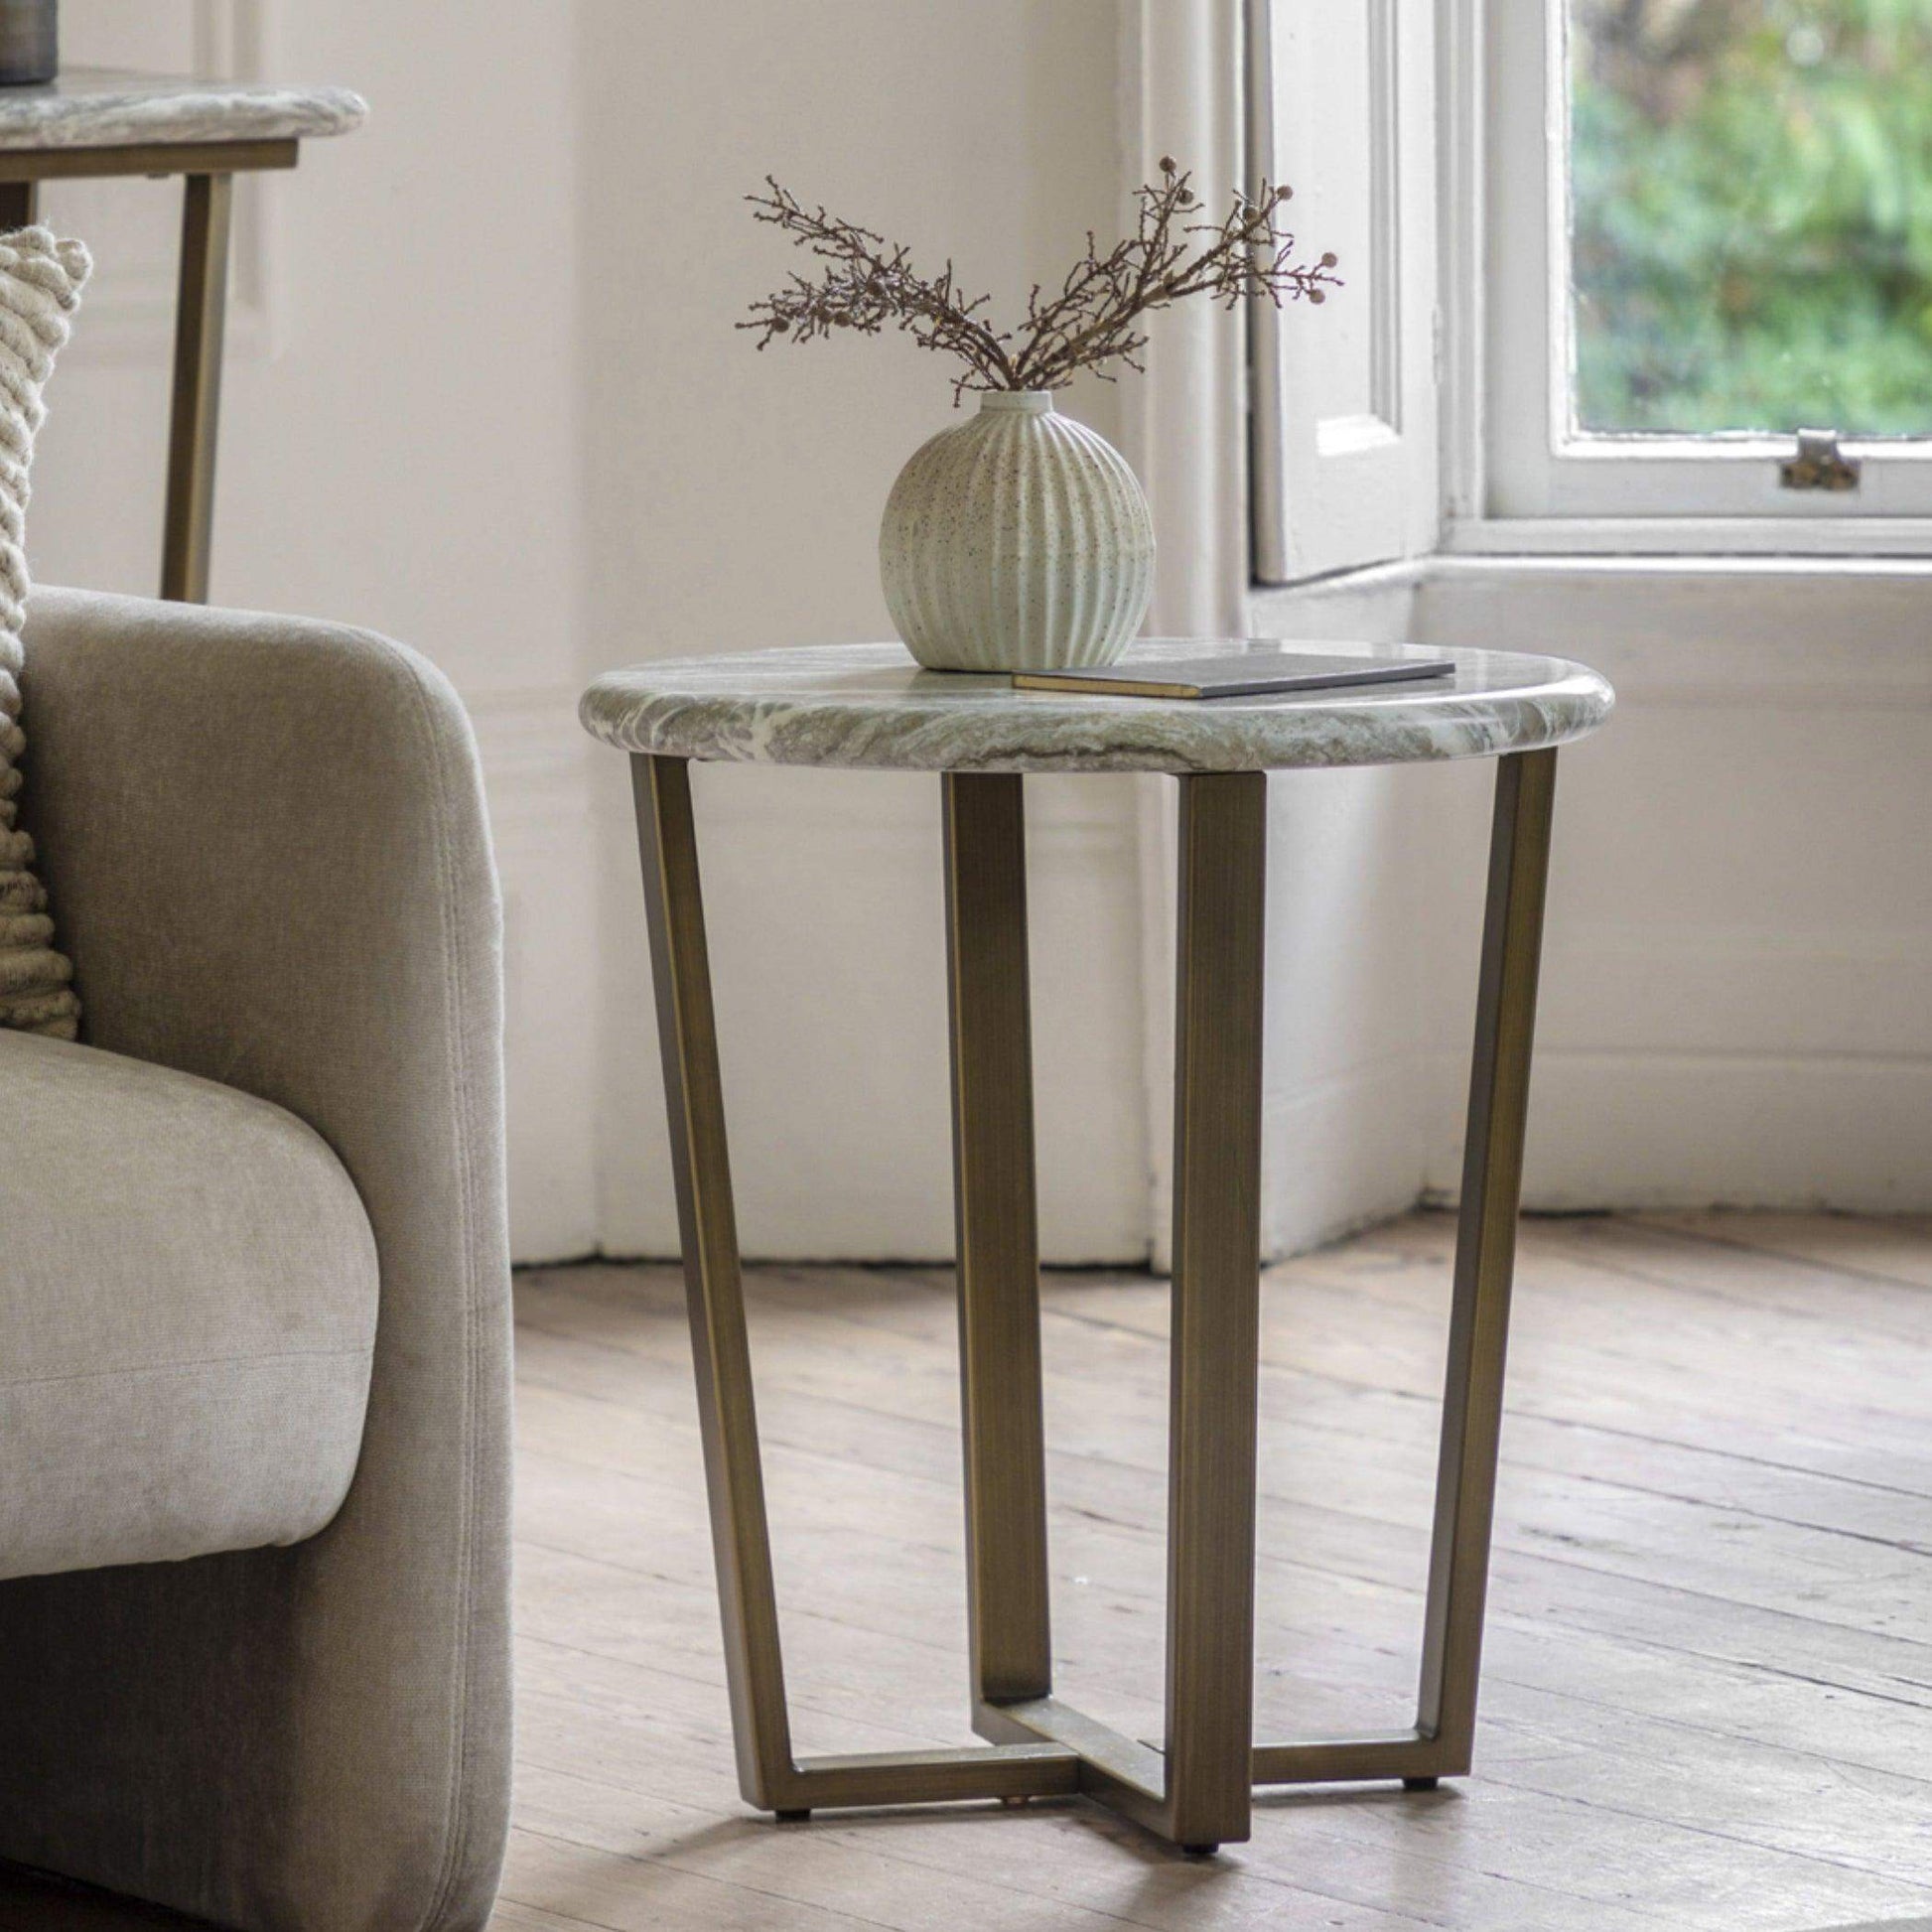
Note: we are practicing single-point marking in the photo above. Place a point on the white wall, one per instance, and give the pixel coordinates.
(1736, 995)
(735, 501)
(399, 442)
(1738, 985)
(485, 395)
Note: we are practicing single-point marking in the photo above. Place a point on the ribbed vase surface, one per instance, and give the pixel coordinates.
(1018, 542)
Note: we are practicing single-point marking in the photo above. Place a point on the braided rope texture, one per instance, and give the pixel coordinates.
(40, 288)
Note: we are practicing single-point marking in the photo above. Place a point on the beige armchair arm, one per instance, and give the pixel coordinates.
(265, 844)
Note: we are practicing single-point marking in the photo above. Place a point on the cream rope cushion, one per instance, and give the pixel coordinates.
(40, 287)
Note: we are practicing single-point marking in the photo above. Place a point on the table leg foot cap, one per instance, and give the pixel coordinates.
(1420, 1784)
(793, 1817)
(1200, 1850)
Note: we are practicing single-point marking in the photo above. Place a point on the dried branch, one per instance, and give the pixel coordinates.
(868, 282)
(1096, 317)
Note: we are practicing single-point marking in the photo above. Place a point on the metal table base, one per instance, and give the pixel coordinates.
(1197, 1790)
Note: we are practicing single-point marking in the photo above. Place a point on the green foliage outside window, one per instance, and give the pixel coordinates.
(1752, 214)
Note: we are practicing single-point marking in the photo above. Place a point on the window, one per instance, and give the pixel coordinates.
(1607, 262)
(1708, 228)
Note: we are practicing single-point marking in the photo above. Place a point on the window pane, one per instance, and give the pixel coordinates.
(1751, 214)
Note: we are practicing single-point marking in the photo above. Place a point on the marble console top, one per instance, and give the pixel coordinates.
(101, 107)
(870, 705)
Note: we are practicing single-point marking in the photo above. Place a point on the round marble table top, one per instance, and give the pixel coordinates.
(871, 706)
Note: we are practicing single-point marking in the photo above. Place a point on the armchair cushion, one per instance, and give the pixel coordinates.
(187, 1301)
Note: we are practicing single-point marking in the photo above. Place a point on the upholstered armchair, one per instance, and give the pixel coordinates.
(254, 1338)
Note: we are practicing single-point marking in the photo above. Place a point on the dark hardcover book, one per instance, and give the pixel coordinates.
(1263, 666)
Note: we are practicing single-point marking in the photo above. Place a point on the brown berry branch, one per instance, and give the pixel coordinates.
(1096, 318)
(868, 282)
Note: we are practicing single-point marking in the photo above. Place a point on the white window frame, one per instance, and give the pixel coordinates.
(1518, 477)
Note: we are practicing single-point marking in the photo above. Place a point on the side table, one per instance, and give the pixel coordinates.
(868, 706)
(95, 121)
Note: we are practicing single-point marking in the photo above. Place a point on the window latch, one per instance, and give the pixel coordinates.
(1820, 463)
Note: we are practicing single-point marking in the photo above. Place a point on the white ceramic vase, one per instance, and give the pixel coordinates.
(1017, 541)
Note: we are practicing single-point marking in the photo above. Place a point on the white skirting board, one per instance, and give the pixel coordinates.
(1676, 1130)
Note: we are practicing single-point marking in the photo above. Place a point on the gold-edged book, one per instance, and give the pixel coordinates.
(1257, 668)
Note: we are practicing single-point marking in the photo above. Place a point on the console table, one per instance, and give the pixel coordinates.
(868, 706)
(95, 121)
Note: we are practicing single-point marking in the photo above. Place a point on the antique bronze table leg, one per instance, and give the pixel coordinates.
(201, 321)
(1196, 1791)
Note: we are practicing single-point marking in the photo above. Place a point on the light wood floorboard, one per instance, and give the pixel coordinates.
(1708, 1687)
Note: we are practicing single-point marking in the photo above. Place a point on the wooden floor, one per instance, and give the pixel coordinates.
(1708, 1688)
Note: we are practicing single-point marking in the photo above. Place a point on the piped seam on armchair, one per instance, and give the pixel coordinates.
(455, 1816)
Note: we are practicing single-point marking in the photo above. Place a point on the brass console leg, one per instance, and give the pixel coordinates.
(1217, 1308)
(199, 327)
(998, 1241)
(1485, 1256)
(701, 1168)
